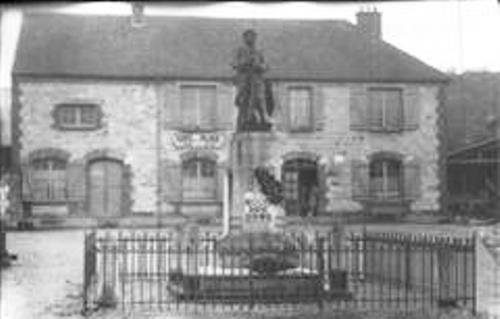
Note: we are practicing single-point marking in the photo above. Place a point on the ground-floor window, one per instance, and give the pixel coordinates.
(301, 187)
(48, 179)
(385, 179)
(199, 179)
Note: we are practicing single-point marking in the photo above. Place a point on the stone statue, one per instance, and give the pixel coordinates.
(254, 93)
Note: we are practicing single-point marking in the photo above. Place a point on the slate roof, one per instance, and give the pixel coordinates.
(202, 48)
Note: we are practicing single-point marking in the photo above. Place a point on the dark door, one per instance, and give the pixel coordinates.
(300, 179)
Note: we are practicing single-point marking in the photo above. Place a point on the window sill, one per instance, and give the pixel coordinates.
(200, 202)
(55, 202)
(383, 130)
(184, 129)
(302, 130)
(386, 130)
(77, 128)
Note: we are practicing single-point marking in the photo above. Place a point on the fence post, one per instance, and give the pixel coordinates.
(252, 292)
(89, 258)
(320, 265)
(475, 243)
(85, 271)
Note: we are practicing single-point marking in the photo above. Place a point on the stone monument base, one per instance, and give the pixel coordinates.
(249, 150)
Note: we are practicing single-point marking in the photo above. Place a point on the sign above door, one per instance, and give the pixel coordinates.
(186, 141)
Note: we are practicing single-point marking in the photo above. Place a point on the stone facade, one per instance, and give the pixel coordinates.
(140, 128)
(128, 131)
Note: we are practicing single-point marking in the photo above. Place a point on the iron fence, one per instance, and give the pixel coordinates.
(164, 271)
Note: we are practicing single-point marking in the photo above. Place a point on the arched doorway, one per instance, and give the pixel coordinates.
(105, 187)
(301, 187)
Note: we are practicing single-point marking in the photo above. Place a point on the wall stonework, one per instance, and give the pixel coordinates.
(338, 138)
(129, 126)
(140, 122)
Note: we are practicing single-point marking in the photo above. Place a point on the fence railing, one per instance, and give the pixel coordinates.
(163, 271)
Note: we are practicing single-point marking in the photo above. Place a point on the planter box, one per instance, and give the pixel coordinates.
(240, 285)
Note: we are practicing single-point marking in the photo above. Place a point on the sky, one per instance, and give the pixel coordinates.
(450, 35)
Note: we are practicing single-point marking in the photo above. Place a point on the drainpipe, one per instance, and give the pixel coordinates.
(157, 84)
(226, 205)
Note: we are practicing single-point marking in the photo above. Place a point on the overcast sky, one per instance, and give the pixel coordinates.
(453, 35)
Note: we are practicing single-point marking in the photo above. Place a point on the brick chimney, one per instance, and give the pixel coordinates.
(137, 19)
(370, 22)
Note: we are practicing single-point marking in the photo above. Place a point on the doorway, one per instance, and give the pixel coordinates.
(300, 181)
(105, 187)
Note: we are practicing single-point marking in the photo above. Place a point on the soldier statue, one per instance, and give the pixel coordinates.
(254, 93)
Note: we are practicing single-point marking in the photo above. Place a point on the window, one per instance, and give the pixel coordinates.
(385, 109)
(198, 106)
(385, 179)
(77, 116)
(49, 179)
(300, 108)
(199, 179)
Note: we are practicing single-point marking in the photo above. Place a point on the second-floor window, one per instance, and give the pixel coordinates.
(385, 109)
(198, 106)
(77, 116)
(300, 108)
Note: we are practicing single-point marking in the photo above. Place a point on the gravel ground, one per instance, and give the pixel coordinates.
(46, 280)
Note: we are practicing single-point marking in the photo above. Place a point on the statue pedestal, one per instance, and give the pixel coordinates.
(248, 151)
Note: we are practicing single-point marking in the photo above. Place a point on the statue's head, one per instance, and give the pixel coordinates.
(249, 36)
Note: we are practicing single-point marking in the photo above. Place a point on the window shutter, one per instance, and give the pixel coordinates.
(171, 106)
(319, 108)
(225, 107)
(221, 174)
(394, 109)
(281, 114)
(75, 181)
(207, 96)
(188, 107)
(26, 181)
(172, 181)
(358, 109)
(411, 180)
(322, 200)
(360, 180)
(411, 111)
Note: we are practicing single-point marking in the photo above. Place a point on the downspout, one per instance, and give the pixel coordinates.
(159, 117)
(225, 205)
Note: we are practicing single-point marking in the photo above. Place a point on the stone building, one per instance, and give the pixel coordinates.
(134, 123)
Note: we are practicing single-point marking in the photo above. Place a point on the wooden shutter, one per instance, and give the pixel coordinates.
(76, 181)
(281, 115)
(411, 108)
(323, 189)
(225, 107)
(26, 175)
(171, 181)
(358, 109)
(189, 104)
(221, 175)
(411, 180)
(360, 172)
(171, 105)
(207, 100)
(393, 104)
(318, 108)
